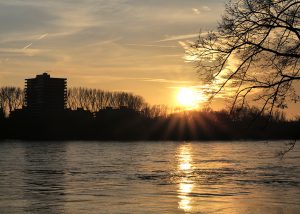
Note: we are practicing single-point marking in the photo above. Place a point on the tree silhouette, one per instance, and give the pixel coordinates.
(254, 53)
(96, 99)
(11, 98)
(155, 111)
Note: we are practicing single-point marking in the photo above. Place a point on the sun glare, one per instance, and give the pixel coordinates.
(187, 98)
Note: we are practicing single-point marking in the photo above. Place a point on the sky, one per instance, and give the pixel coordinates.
(117, 45)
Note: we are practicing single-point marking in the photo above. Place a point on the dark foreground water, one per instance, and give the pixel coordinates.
(148, 177)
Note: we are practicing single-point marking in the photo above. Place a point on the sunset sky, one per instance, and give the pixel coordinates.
(119, 45)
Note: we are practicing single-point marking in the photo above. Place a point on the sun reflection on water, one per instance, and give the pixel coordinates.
(185, 166)
(185, 186)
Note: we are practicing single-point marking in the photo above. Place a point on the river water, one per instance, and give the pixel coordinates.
(148, 177)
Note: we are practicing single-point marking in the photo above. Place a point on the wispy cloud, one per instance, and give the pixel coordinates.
(23, 51)
(206, 8)
(187, 48)
(203, 9)
(157, 46)
(154, 80)
(23, 38)
(165, 81)
(179, 37)
(103, 42)
(196, 11)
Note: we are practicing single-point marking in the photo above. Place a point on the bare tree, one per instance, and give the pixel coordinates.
(254, 53)
(95, 99)
(129, 100)
(155, 111)
(11, 98)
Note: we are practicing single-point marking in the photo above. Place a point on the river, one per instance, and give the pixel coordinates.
(148, 177)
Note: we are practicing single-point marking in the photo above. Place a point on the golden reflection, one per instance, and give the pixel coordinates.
(185, 166)
(184, 203)
(185, 186)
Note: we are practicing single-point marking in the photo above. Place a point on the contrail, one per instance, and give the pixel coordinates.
(39, 38)
(43, 36)
(27, 46)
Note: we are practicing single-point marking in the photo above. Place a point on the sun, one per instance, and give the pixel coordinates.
(187, 98)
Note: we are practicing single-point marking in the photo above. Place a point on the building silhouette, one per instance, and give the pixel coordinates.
(45, 95)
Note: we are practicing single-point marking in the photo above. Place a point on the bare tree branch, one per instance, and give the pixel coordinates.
(255, 52)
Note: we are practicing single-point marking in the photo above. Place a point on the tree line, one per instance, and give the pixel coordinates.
(139, 120)
(93, 100)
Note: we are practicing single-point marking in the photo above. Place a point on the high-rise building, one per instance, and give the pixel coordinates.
(44, 94)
